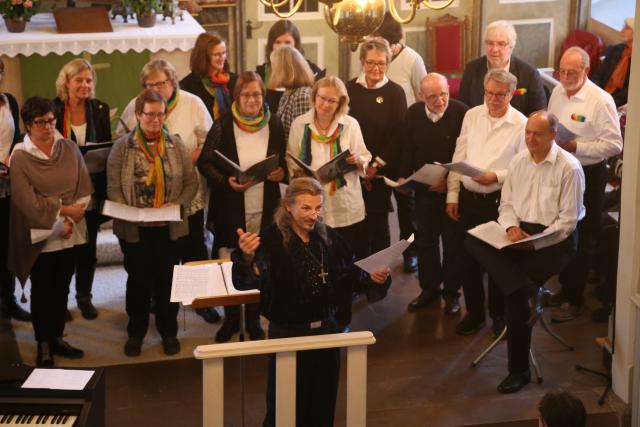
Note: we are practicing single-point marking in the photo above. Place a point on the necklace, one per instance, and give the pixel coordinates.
(323, 274)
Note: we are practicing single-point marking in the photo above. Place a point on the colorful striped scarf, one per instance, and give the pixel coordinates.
(156, 169)
(251, 124)
(173, 101)
(334, 149)
(67, 131)
(217, 85)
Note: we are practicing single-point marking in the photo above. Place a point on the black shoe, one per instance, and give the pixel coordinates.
(423, 300)
(171, 346)
(44, 359)
(451, 306)
(12, 310)
(226, 331)
(67, 316)
(497, 326)
(210, 315)
(133, 347)
(469, 325)
(87, 308)
(410, 264)
(514, 382)
(255, 331)
(64, 349)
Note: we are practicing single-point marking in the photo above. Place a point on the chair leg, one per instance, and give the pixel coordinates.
(536, 367)
(488, 349)
(554, 335)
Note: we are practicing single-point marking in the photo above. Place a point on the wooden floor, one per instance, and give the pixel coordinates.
(419, 374)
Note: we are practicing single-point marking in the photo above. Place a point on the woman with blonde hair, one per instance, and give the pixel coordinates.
(291, 72)
(82, 118)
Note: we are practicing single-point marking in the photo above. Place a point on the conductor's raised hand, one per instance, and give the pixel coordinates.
(276, 175)
(380, 276)
(248, 243)
(236, 186)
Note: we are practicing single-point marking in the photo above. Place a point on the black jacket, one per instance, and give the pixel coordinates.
(15, 113)
(603, 73)
(192, 83)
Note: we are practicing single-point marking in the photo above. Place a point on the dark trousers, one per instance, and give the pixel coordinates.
(149, 265)
(406, 204)
(353, 235)
(434, 224)
(574, 276)
(192, 246)
(50, 278)
(7, 282)
(317, 378)
(476, 209)
(518, 273)
(376, 235)
(86, 255)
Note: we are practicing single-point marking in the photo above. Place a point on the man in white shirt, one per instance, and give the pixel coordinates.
(492, 134)
(590, 113)
(542, 192)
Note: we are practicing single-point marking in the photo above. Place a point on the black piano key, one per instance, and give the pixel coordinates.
(45, 419)
(4, 417)
(64, 420)
(19, 419)
(29, 418)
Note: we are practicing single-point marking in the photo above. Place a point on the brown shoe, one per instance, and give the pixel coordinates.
(566, 312)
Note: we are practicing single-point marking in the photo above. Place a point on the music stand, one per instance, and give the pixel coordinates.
(224, 300)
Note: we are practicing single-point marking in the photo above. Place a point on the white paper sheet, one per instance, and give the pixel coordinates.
(39, 234)
(463, 168)
(228, 280)
(195, 281)
(494, 234)
(132, 214)
(385, 257)
(58, 379)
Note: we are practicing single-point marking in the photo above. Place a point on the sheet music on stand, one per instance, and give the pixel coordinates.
(385, 257)
(58, 379)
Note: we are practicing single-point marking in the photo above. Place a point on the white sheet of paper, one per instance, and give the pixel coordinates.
(132, 214)
(429, 174)
(40, 234)
(58, 379)
(226, 268)
(463, 168)
(194, 281)
(493, 234)
(385, 257)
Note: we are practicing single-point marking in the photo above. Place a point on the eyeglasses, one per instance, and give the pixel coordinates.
(152, 115)
(309, 211)
(569, 73)
(219, 54)
(500, 96)
(372, 64)
(435, 97)
(330, 101)
(254, 95)
(42, 123)
(499, 45)
(157, 85)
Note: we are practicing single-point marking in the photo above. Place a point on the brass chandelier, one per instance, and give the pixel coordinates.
(353, 20)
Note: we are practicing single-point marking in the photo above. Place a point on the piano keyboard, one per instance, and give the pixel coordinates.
(7, 420)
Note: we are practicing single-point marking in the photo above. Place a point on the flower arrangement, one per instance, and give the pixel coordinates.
(143, 7)
(19, 9)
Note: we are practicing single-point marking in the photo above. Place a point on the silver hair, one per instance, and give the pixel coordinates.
(160, 65)
(375, 43)
(501, 76)
(584, 56)
(504, 27)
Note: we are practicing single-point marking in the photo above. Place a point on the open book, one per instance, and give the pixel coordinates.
(427, 175)
(385, 257)
(334, 168)
(204, 280)
(257, 172)
(95, 155)
(463, 168)
(133, 214)
(493, 234)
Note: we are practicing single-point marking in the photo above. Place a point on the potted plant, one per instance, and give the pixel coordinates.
(17, 13)
(145, 11)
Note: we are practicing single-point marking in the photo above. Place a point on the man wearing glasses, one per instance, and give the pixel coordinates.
(590, 113)
(499, 41)
(492, 134)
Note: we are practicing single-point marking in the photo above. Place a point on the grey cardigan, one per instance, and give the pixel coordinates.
(120, 171)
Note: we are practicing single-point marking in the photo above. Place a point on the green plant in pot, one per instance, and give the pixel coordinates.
(17, 13)
(145, 11)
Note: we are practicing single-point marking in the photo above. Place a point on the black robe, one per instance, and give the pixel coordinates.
(192, 83)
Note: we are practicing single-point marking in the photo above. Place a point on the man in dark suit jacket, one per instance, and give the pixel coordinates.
(618, 55)
(499, 41)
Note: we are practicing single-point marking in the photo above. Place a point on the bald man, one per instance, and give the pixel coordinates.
(590, 113)
(542, 191)
(431, 128)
